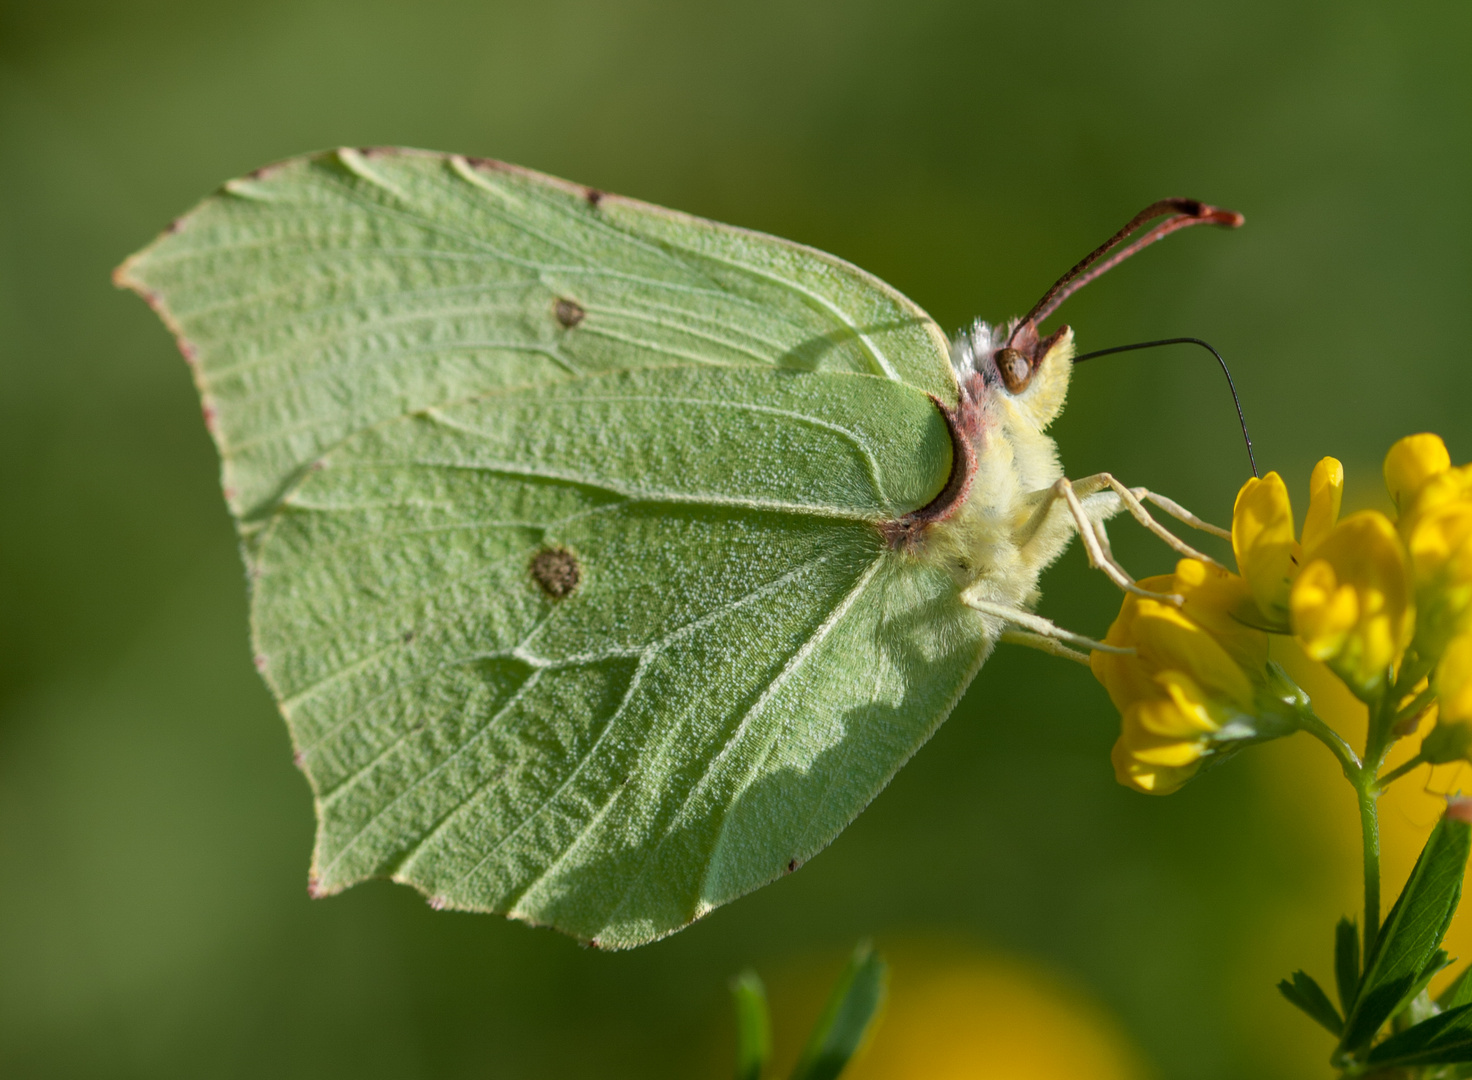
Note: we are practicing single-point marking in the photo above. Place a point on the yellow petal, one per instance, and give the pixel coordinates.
(1454, 680)
(1325, 493)
(1170, 641)
(1439, 541)
(1411, 462)
(1262, 539)
(1181, 713)
(1324, 611)
(1126, 678)
(1352, 605)
(1155, 749)
(1451, 738)
(1222, 604)
(1440, 536)
(1145, 778)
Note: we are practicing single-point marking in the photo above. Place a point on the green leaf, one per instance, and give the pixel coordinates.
(1445, 1039)
(565, 518)
(845, 1020)
(753, 1026)
(1458, 992)
(1346, 962)
(1416, 1005)
(1309, 996)
(1408, 941)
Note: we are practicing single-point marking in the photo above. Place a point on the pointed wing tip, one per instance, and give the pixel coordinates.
(125, 276)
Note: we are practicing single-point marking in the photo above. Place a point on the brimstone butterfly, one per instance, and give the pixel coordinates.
(604, 561)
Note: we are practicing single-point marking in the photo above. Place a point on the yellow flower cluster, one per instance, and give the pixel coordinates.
(1343, 591)
(1433, 503)
(1198, 680)
(1378, 600)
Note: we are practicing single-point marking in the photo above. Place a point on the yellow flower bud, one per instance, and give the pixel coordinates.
(1352, 606)
(1325, 493)
(1410, 463)
(1262, 540)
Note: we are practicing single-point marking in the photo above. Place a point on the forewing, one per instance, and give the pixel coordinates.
(327, 293)
(426, 376)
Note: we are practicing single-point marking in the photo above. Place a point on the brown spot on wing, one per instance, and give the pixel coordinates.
(557, 571)
(569, 312)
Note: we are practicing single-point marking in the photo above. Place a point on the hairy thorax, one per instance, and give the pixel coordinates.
(993, 526)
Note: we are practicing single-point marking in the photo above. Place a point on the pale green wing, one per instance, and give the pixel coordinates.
(327, 293)
(732, 663)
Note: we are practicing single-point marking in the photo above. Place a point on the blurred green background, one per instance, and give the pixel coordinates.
(154, 835)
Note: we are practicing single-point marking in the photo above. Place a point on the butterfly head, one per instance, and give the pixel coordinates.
(1016, 366)
(1028, 371)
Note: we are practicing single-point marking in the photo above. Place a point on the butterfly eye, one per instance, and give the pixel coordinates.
(1014, 368)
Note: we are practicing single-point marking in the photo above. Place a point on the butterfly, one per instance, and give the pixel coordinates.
(605, 561)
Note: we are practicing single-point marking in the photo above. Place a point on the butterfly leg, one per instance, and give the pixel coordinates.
(1131, 497)
(1043, 644)
(1026, 628)
(1180, 513)
(1089, 530)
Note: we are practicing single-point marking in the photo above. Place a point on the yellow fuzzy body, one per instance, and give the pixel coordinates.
(1009, 526)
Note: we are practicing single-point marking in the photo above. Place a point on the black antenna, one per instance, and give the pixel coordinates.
(1187, 341)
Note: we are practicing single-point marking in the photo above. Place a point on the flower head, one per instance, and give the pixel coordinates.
(1195, 683)
(1268, 555)
(1352, 604)
(1434, 501)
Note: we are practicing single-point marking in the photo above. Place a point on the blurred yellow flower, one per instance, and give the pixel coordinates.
(957, 1015)
(1440, 549)
(1451, 739)
(1411, 462)
(1352, 605)
(1434, 501)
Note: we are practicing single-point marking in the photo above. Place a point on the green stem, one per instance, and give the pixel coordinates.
(1370, 833)
(1378, 740)
(1348, 760)
(1362, 776)
(1400, 770)
(1416, 707)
